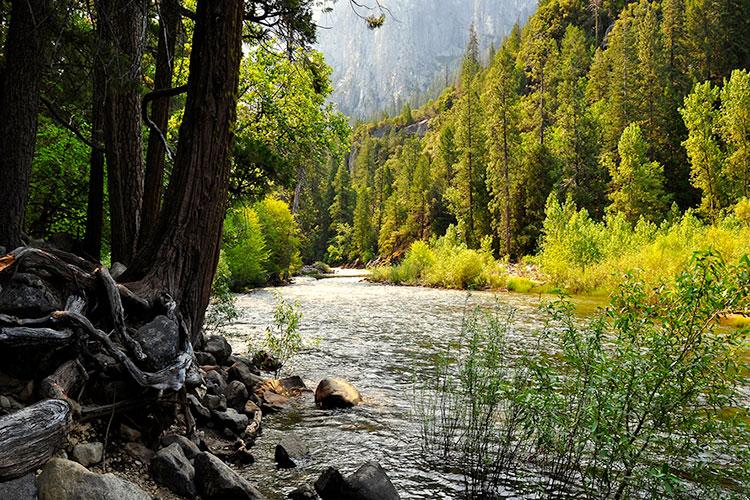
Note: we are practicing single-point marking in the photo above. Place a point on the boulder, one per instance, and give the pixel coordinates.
(265, 361)
(272, 402)
(215, 383)
(205, 358)
(250, 408)
(290, 451)
(200, 412)
(159, 339)
(331, 485)
(23, 488)
(242, 372)
(172, 469)
(231, 420)
(370, 482)
(66, 480)
(236, 394)
(214, 402)
(293, 384)
(304, 492)
(219, 348)
(139, 451)
(28, 296)
(336, 393)
(189, 448)
(88, 453)
(216, 481)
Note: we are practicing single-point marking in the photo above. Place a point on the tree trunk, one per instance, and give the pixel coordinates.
(92, 241)
(169, 23)
(121, 25)
(182, 254)
(25, 50)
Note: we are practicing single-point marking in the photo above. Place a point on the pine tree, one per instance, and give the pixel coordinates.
(637, 183)
(342, 208)
(735, 127)
(364, 236)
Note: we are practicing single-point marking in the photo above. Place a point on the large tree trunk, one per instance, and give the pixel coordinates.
(121, 25)
(25, 50)
(92, 242)
(169, 23)
(182, 254)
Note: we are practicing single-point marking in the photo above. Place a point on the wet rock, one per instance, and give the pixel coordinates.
(171, 468)
(244, 455)
(336, 393)
(139, 451)
(215, 383)
(231, 420)
(129, 434)
(216, 481)
(370, 482)
(250, 408)
(189, 448)
(272, 402)
(205, 358)
(245, 361)
(88, 453)
(266, 362)
(214, 402)
(159, 339)
(290, 451)
(219, 348)
(242, 372)
(331, 485)
(200, 412)
(293, 384)
(29, 296)
(23, 488)
(304, 492)
(65, 480)
(236, 394)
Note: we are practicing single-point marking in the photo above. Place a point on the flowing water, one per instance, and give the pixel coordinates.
(382, 339)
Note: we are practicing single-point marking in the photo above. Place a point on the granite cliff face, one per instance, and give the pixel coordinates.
(420, 45)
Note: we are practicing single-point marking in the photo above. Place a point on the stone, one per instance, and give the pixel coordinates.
(336, 393)
(242, 372)
(66, 480)
(370, 482)
(28, 296)
(250, 408)
(214, 402)
(293, 384)
(189, 448)
(23, 488)
(139, 451)
(159, 339)
(331, 485)
(236, 394)
(88, 453)
(272, 402)
(304, 492)
(129, 434)
(219, 348)
(290, 451)
(266, 362)
(216, 481)
(215, 383)
(205, 358)
(200, 412)
(171, 468)
(231, 420)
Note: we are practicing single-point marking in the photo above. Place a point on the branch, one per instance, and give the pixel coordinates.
(160, 94)
(68, 125)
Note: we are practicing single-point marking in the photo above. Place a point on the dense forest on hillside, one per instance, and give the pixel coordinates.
(633, 112)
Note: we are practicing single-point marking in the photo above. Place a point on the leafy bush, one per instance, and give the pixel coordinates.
(280, 234)
(245, 248)
(284, 340)
(641, 401)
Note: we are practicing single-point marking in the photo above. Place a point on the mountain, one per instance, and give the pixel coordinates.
(418, 47)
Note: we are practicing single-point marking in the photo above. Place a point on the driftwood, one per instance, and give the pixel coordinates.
(69, 377)
(29, 437)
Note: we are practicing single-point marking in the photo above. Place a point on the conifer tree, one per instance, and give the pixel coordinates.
(363, 231)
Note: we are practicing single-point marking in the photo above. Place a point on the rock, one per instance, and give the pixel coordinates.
(129, 434)
(370, 482)
(293, 384)
(88, 453)
(336, 393)
(65, 480)
(242, 372)
(215, 383)
(4, 403)
(245, 361)
(199, 411)
(266, 362)
(172, 469)
(244, 455)
(205, 358)
(290, 451)
(214, 402)
(272, 402)
(304, 492)
(139, 451)
(331, 485)
(23, 488)
(231, 420)
(216, 481)
(250, 408)
(219, 348)
(236, 394)
(189, 448)
(159, 339)
(28, 296)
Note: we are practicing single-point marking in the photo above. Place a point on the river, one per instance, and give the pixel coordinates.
(380, 338)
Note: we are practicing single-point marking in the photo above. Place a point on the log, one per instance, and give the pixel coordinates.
(118, 313)
(69, 377)
(29, 437)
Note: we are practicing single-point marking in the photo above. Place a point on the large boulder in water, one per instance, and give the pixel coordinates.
(336, 393)
(66, 480)
(369, 482)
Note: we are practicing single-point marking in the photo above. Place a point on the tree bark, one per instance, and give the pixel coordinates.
(182, 254)
(25, 59)
(169, 23)
(92, 241)
(122, 29)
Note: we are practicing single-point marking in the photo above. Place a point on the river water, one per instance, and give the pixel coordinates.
(382, 339)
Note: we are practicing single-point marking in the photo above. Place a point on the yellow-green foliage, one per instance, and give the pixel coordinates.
(582, 255)
(446, 263)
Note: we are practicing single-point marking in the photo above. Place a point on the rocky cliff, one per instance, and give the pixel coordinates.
(419, 46)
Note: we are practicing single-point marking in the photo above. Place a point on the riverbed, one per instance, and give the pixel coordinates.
(382, 339)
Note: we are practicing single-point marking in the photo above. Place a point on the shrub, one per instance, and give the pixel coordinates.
(245, 248)
(281, 236)
(283, 341)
